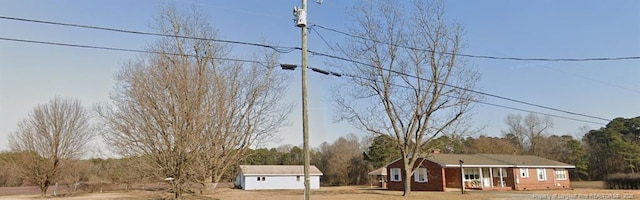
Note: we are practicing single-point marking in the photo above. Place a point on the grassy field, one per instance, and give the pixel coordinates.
(588, 184)
(583, 190)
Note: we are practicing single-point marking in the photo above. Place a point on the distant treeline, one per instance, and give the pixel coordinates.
(612, 149)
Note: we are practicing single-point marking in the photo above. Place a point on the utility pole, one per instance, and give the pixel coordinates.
(461, 177)
(301, 22)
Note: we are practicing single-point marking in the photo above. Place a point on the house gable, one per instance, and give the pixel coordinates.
(434, 180)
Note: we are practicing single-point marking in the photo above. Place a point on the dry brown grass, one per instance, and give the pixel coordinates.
(588, 184)
(361, 193)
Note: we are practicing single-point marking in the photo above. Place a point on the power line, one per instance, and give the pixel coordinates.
(472, 100)
(312, 52)
(284, 49)
(458, 87)
(127, 50)
(478, 92)
(258, 62)
(484, 56)
(279, 49)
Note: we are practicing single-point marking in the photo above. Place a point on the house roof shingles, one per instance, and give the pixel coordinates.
(498, 160)
(278, 170)
(527, 160)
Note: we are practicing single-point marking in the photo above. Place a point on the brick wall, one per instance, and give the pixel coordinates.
(452, 177)
(435, 178)
(532, 182)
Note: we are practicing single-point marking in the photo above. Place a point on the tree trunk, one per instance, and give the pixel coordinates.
(209, 185)
(177, 191)
(43, 190)
(407, 181)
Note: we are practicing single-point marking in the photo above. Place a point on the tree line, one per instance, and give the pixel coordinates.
(346, 161)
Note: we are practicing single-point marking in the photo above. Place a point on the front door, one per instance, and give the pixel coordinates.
(486, 177)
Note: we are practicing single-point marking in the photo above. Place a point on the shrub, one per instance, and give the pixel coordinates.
(622, 181)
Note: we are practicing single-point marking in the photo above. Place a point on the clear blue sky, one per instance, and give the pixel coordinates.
(31, 74)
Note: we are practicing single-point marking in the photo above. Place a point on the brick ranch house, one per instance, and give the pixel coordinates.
(439, 171)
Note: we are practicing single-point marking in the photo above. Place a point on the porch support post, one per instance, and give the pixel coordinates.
(491, 176)
(481, 178)
(501, 179)
(461, 177)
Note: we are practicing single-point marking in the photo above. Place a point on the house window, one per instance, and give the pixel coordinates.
(258, 178)
(561, 174)
(263, 178)
(499, 171)
(395, 174)
(524, 172)
(297, 178)
(542, 174)
(420, 176)
(471, 174)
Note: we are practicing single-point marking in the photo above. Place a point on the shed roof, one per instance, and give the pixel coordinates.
(278, 170)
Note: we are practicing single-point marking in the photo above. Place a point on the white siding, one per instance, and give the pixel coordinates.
(277, 182)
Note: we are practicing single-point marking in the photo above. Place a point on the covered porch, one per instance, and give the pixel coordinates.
(378, 178)
(480, 178)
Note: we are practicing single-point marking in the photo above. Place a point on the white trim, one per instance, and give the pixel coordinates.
(313, 174)
(513, 166)
(560, 170)
(469, 172)
(545, 166)
(526, 170)
(392, 175)
(544, 173)
(416, 175)
(496, 166)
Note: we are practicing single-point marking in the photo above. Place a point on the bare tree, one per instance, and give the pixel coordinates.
(53, 135)
(187, 113)
(399, 45)
(528, 131)
(516, 132)
(248, 110)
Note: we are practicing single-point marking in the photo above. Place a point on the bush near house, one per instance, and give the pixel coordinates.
(623, 181)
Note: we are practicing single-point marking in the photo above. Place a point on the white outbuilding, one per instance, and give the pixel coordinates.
(274, 177)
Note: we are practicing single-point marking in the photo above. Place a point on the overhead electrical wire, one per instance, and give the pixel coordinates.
(258, 62)
(127, 50)
(312, 52)
(483, 56)
(490, 104)
(279, 49)
(581, 76)
(283, 49)
(340, 74)
(458, 87)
